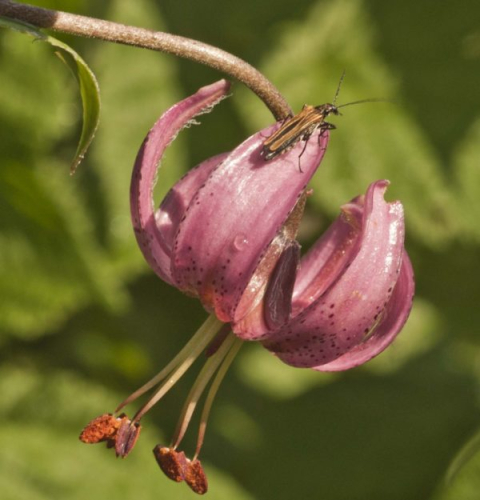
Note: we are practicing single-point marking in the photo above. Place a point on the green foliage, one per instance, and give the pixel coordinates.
(374, 140)
(43, 459)
(68, 243)
(138, 85)
(49, 265)
(83, 321)
(463, 477)
(468, 175)
(87, 82)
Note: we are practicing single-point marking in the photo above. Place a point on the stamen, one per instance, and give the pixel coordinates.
(201, 339)
(207, 372)
(126, 437)
(177, 367)
(195, 477)
(173, 463)
(227, 361)
(100, 429)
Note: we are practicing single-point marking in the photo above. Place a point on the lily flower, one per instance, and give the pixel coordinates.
(226, 234)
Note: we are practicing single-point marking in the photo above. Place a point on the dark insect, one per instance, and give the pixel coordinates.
(298, 127)
(303, 125)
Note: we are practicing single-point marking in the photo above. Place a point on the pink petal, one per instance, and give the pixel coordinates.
(327, 259)
(176, 202)
(236, 214)
(346, 312)
(266, 302)
(154, 249)
(394, 317)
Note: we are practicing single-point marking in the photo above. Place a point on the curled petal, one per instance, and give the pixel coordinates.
(329, 257)
(394, 317)
(266, 303)
(176, 202)
(154, 248)
(234, 217)
(354, 304)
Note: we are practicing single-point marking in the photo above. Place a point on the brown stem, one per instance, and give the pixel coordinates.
(154, 40)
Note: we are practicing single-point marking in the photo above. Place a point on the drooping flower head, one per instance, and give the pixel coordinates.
(226, 233)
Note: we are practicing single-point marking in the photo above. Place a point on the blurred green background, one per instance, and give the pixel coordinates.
(83, 321)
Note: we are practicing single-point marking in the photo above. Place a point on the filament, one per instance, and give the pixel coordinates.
(203, 378)
(227, 361)
(177, 367)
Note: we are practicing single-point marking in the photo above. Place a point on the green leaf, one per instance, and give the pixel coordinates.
(462, 481)
(64, 244)
(132, 102)
(89, 90)
(467, 453)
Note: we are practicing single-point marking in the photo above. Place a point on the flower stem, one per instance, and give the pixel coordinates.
(227, 361)
(164, 42)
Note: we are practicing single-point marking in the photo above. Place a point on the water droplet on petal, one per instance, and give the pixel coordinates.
(240, 242)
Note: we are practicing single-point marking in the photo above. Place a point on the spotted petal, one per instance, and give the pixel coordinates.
(234, 217)
(394, 317)
(155, 245)
(357, 300)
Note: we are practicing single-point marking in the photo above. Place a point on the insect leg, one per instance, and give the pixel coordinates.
(305, 138)
(325, 126)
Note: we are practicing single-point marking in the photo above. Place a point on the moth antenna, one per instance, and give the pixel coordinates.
(338, 88)
(366, 100)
